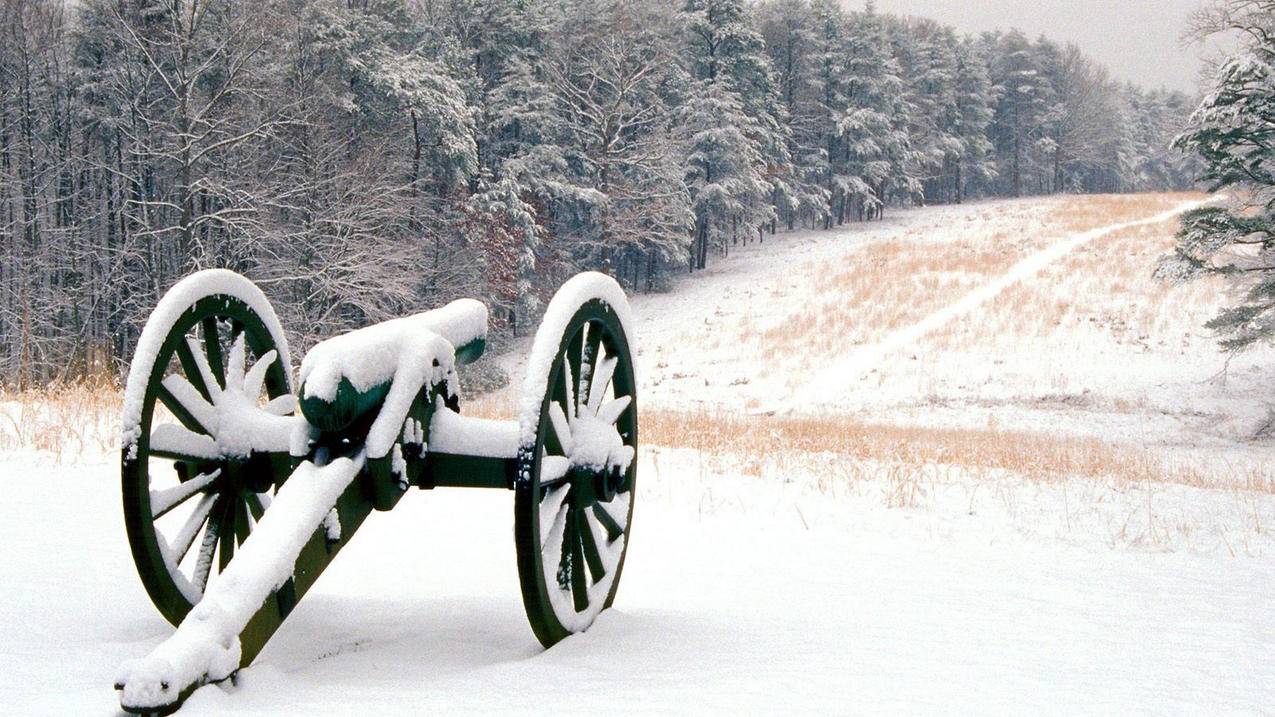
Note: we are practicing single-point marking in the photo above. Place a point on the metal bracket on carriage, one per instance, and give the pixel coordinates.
(379, 412)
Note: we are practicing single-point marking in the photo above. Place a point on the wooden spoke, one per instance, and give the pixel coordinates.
(207, 551)
(185, 537)
(255, 379)
(226, 550)
(553, 471)
(241, 521)
(591, 554)
(563, 559)
(212, 346)
(551, 510)
(576, 377)
(191, 367)
(601, 380)
(237, 362)
(280, 405)
(203, 370)
(191, 400)
(164, 500)
(589, 359)
(579, 581)
(561, 430)
(614, 531)
(613, 409)
(568, 389)
(255, 507)
(176, 407)
(174, 442)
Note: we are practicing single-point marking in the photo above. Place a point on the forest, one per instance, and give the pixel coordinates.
(361, 159)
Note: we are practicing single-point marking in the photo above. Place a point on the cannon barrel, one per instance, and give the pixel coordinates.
(348, 377)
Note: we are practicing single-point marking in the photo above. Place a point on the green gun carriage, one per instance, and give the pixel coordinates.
(240, 487)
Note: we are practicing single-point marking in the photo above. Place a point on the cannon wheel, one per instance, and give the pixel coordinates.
(186, 507)
(571, 520)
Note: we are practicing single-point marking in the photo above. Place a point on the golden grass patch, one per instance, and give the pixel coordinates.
(888, 285)
(1084, 212)
(64, 415)
(1105, 286)
(1035, 456)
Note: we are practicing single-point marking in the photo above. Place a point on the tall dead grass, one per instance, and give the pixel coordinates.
(64, 417)
(892, 284)
(1034, 456)
(1089, 211)
(1105, 287)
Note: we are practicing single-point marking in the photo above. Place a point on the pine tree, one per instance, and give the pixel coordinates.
(976, 99)
(787, 27)
(724, 170)
(737, 155)
(1024, 96)
(928, 53)
(507, 233)
(1231, 133)
(873, 152)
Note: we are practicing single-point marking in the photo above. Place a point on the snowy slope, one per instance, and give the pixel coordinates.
(766, 580)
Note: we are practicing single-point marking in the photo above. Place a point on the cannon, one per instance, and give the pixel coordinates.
(240, 486)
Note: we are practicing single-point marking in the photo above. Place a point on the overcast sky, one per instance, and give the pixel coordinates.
(1137, 40)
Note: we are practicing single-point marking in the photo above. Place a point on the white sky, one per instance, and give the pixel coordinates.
(1137, 40)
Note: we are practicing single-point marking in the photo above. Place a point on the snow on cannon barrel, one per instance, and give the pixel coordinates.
(348, 377)
(237, 496)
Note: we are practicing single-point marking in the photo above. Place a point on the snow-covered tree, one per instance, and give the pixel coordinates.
(976, 100)
(737, 155)
(788, 31)
(1024, 96)
(1231, 132)
(725, 170)
(363, 159)
(872, 156)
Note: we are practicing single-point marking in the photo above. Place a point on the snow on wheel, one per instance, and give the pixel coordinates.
(206, 433)
(573, 502)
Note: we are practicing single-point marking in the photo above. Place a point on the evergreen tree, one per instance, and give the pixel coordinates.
(737, 156)
(1023, 98)
(787, 27)
(873, 150)
(1231, 133)
(976, 100)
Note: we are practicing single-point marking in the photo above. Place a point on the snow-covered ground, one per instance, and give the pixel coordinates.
(958, 571)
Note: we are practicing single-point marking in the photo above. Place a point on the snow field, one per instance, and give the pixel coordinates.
(740, 592)
(1051, 515)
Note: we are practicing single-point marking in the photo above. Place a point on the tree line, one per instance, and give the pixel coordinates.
(364, 158)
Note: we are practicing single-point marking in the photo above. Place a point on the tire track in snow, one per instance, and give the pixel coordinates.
(839, 378)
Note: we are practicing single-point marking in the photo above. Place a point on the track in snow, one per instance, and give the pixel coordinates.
(835, 381)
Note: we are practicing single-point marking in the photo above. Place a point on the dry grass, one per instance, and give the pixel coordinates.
(1105, 286)
(62, 418)
(1084, 212)
(886, 286)
(889, 285)
(1035, 456)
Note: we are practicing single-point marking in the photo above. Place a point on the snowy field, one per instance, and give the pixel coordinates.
(969, 459)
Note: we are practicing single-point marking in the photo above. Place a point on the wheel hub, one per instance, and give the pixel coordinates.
(253, 474)
(591, 485)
